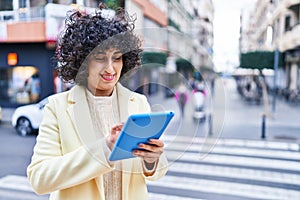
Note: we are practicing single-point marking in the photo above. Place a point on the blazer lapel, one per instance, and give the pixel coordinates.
(127, 106)
(80, 115)
(127, 102)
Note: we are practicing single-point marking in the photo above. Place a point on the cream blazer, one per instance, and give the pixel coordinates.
(68, 159)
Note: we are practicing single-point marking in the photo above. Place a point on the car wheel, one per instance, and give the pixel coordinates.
(24, 126)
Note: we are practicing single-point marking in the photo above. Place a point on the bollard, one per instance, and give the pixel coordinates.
(210, 127)
(263, 126)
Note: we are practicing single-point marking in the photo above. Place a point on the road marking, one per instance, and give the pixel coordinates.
(235, 173)
(18, 187)
(233, 160)
(237, 150)
(233, 142)
(16, 183)
(224, 171)
(227, 188)
(156, 196)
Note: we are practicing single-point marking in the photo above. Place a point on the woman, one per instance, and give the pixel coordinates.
(80, 126)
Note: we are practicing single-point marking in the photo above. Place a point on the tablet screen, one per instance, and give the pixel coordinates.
(139, 128)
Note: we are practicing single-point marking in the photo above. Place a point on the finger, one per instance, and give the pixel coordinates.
(114, 127)
(151, 148)
(156, 142)
(117, 127)
(146, 154)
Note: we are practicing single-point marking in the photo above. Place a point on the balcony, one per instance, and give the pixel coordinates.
(290, 3)
(23, 25)
(35, 24)
(23, 14)
(290, 39)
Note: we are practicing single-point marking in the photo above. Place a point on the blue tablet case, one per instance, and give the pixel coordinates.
(139, 128)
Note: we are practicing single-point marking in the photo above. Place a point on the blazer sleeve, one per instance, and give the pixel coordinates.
(51, 170)
(161, 169)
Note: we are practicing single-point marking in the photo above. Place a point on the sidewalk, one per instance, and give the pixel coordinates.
(7, 114)
(244, 120)
(234, 118)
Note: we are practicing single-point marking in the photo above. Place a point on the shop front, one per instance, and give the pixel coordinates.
(26, 73)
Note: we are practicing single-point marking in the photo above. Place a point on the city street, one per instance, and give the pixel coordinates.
(232, 164)
(244, 120)
(228, 70)
(14, 151)
(15, 154)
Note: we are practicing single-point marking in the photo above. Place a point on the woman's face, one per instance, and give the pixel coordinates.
(104, 71)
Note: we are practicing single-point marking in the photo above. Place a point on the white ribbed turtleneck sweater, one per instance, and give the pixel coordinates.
(105, 114)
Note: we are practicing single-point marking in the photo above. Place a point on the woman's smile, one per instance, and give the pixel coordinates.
(108, 77)
(104, 71)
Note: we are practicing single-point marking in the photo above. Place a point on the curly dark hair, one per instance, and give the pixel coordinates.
(87, 33)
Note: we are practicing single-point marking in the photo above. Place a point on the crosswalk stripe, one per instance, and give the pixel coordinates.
(239, 151)
(16, 183)
(6, 194)
(264, 144)
(156, 196)
(231, 169)
(228, 188)
(234, 161)
(263, 170)
(18, 187)
(235, 173)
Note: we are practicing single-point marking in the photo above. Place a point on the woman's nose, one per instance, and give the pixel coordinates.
(109, 67)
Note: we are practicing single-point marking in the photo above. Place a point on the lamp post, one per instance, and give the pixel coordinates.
(276, 62)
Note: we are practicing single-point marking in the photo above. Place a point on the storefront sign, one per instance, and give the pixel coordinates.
(12, 59)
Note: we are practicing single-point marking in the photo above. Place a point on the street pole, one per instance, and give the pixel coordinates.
(210, 124)
(263, 126)
(276, 60)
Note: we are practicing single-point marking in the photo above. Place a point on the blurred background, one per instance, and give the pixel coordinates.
(228, 68)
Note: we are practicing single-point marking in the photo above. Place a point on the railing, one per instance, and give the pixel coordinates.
(23, 14)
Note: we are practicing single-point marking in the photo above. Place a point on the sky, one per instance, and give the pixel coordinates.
(226, 31)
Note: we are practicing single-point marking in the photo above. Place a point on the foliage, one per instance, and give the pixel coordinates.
(259, 60)
(114, 4)
(154, 57)
(183, 64)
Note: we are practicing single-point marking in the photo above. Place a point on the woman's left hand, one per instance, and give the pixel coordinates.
(151, 151)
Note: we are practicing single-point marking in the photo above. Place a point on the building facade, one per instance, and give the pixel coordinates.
(29, 29)
(181, 29)
(275, 25)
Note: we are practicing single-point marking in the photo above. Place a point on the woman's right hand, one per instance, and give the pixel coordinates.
(113, 136)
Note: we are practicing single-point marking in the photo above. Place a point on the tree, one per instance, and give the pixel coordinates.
(154, 57)
(259, 60)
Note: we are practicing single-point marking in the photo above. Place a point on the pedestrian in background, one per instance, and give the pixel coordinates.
(80, 126)
(181, 96)
(33, 87)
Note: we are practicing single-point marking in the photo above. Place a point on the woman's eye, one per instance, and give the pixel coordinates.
(99, 58)
(117, 58)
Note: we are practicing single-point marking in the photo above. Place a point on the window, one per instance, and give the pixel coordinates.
(287, 23)
(6, 5)
(20, 84)
(22, 3)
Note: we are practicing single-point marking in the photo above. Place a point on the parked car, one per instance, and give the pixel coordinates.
(26, 119)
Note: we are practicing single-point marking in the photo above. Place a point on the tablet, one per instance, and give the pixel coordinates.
(139, 128)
